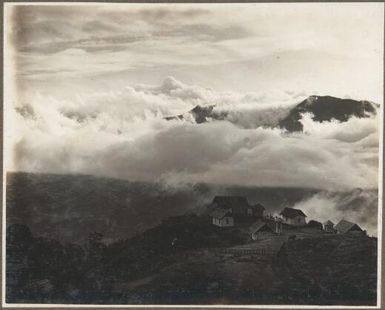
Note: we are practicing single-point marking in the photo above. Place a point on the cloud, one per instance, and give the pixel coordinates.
(357, 206)
(124, 134)
(207, 32)
(45, 29)
(98, 27)
(289, 46)
(354, 130)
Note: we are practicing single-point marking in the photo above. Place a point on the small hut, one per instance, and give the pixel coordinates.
(222, 218)
(329, 227)
(344, 227)
(260, 230)
(237, 211)
(314, 224)
(256, 210)
(293, 217)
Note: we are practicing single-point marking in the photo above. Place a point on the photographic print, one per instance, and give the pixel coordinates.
(192, 154)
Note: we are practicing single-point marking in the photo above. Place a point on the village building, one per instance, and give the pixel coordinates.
(329, 227)
(293, 217)
(238, 205)
(222, 218)
(278, 225)
(315, 225)
(231, 210)
(257, 211)
(344, 227)
(260, 230)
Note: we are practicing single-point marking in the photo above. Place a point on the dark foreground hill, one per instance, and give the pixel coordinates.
(186, 260)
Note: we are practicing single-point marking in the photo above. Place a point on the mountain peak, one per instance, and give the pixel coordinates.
(326, 108)
(200, 114)
(323, 109)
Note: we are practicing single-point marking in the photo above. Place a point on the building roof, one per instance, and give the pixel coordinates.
(230, 201)
(345, 226)
(259, 207)
(314, 223)
(258, 226)
(219, 213)
(328, 222)
(291, 213)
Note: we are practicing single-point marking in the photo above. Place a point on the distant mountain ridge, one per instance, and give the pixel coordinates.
(323, 108)
(200, 114)
(326, 108)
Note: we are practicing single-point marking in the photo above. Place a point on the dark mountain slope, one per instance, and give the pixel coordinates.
(200, 114)
(326, 108)
(69, 207)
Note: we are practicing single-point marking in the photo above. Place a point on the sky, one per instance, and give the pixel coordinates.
(89, 87)
(314, 47)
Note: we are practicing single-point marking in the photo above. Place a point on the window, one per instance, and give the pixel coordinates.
(227, 220)
(249, 211)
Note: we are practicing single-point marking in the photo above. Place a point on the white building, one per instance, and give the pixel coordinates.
(222, 218)
(293, 217)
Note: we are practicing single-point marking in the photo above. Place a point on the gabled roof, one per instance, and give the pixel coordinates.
(328, 222)
(258, 206)
(291, 213)
(314, 223)
(230, 201)
(219, 213)
(345, 226)
(259, 226)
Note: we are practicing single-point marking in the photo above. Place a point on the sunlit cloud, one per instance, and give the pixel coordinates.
(124, 134)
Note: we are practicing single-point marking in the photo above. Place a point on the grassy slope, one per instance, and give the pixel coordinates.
(177, 262)
(323, 270)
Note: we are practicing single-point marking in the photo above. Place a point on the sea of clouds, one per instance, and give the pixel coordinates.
(124, 134)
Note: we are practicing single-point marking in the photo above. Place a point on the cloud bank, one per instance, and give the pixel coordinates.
(362, 207)
(123, 134)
